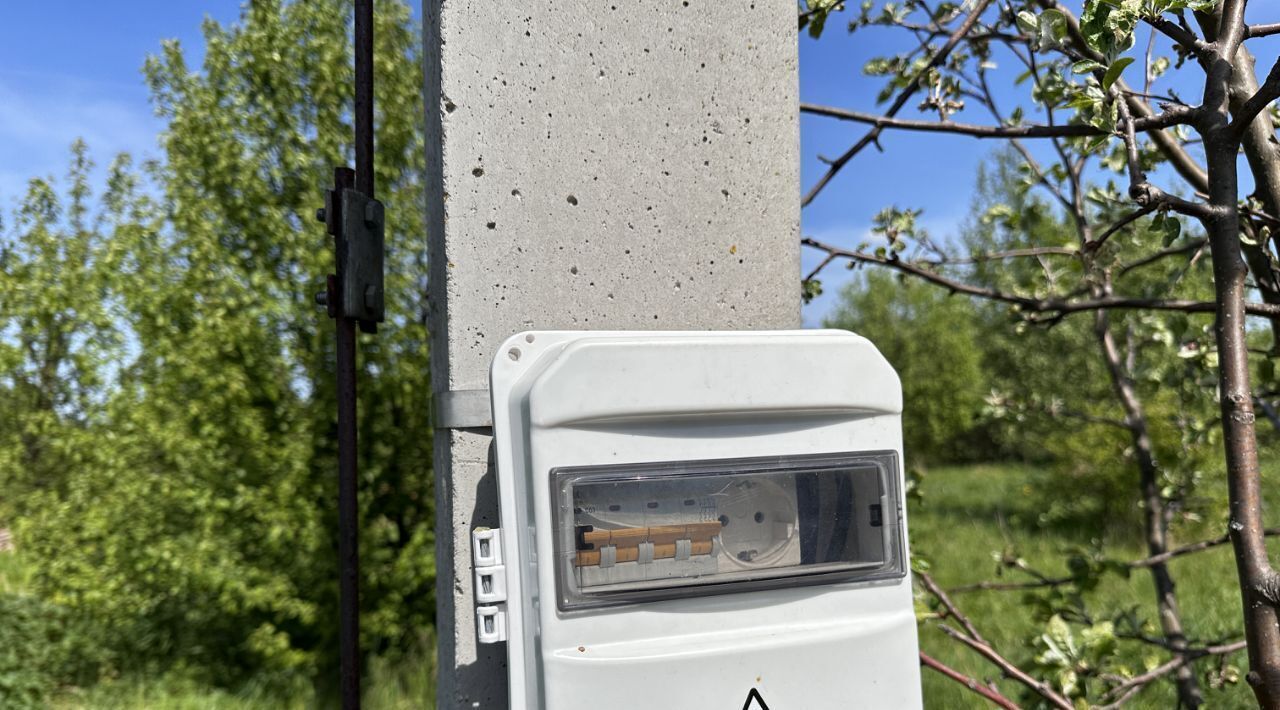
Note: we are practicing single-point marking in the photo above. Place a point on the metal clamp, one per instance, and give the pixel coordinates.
(463, 409)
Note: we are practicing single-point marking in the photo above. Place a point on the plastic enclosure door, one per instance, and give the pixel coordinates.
(690, 517)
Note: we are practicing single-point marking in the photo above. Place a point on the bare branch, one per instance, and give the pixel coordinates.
(1179, 34)
(1172, 116)
(988, 586)
(1191, 548)
(971, 638)
(988, 693)
(1132, 161)
(904, 96)
(949, 606)
(1143, 192)
(1043, 582)
(1194, 245)
(1121, 693)
(1149, 195)
(1268, 92)
(980, 257)
(821, 265)
(1124, 222)
(1013, 672)
(1263, 30)
(1056, 304)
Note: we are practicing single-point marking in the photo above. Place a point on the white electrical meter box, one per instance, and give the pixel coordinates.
(698, 520)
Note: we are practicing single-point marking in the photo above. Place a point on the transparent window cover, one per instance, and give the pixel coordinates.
(651, 531)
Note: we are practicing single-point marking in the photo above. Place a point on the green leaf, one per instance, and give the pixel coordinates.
(1028, 23)
(1172, 230)
(1114, 71)
(1084, 66)
(1053, 29)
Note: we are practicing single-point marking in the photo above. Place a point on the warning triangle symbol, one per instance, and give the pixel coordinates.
(754, 701)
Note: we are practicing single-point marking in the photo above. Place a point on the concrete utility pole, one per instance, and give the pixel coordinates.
(592, 165)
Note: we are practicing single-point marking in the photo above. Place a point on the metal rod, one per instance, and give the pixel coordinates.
(348, 514)
(348, 517)
(348, 511)
(364, 97)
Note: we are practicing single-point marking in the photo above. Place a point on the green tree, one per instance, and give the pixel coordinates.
(197, 522)
(933, 341)
(59, 326)
(1070, 61)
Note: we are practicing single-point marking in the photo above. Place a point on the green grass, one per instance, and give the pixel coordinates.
(406, 684)
(970, 514)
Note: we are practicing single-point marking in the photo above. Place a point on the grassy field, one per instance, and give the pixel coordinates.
(407, 685)
(968, 515)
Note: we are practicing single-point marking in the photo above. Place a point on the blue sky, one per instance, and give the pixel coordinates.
(72, 69)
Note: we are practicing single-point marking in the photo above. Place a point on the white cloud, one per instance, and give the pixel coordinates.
(42, 114)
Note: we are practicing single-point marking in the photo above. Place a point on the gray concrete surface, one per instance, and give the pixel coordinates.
(594, 165)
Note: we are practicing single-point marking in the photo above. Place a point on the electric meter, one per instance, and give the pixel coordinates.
(698, 520)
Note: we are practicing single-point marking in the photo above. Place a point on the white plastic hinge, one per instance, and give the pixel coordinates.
(486, 547)
(491, 623)
(491, 584)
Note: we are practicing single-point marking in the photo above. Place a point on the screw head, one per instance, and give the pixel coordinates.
(321, 215)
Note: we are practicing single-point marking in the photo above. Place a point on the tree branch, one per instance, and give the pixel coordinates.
(1171, 116)
(988, 586)
(1043, 582)
(1194, 245)
(1148, 195)
(949, 606)
(905, 95)
(971, 638)
(1191, 548)
(1055, 305)
(1179, 34)
(1263, 30)
(1007, 254)
(986, 651)
(1124, 222)
(988, 693)
(1268, 92)
(1121, 693)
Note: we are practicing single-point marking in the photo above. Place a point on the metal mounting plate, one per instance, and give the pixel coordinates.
(363, 222)
(463, 409)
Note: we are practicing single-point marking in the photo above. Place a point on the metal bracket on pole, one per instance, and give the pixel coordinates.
(463, 409)
(362, 227)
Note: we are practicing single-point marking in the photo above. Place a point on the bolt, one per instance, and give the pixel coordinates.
(321, 215)
(322, 299)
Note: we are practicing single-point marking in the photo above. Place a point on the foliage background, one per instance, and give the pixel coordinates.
(169, 468)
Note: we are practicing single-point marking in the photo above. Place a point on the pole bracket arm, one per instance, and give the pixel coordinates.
(463, 409)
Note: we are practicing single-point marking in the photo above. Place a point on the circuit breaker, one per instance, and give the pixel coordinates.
(698, 520)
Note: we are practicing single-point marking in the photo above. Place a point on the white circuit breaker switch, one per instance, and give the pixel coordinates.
(491, 584)
(491, 623)
(486, 547)
(722, 511)
(490, 581)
